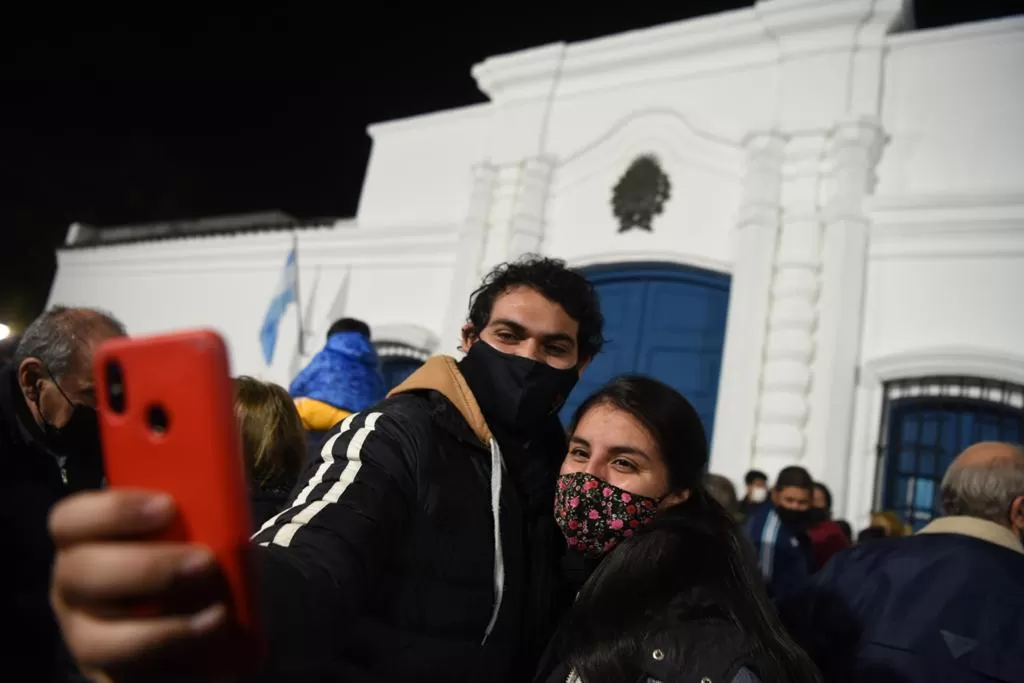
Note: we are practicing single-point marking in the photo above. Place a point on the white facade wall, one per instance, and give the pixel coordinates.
(861, 185)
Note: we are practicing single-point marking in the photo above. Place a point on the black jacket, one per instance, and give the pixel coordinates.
(384, 567)
(710, 649)
(943, 605)
(31, 483)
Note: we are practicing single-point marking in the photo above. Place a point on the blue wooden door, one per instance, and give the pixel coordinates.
(925, 434)
(665, 321)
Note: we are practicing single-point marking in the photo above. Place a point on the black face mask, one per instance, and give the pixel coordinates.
(81, 433)
(816, 516)
(516, 394)
(796, 519)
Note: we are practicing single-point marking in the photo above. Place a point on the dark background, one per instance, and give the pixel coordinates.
(127, 119)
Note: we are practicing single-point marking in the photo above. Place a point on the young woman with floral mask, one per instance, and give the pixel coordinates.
(672, 592)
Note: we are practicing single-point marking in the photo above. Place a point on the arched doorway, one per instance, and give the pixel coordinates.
(662, 320)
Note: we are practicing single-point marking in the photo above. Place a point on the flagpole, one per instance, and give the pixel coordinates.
(298, 299)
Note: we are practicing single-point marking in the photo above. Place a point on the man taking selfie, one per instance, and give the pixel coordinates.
(420, 546)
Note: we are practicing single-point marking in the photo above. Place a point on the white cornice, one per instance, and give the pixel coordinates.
(699, 44)
(439, 118)
(946, 213)
(947, 226)
(679, 258)
(1007, 27)
(422, 246)
(946, 360)
(754, 37)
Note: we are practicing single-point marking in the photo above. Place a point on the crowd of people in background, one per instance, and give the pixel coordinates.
(455, 530)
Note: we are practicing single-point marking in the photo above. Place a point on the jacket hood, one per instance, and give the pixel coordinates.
(344, 374)
(441, 374)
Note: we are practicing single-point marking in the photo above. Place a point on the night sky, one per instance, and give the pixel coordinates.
(127, 119)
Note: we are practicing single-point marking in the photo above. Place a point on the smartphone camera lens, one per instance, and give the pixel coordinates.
(115, 387)
(157, 419)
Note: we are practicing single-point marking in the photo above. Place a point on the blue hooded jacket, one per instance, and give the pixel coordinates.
(345, 374)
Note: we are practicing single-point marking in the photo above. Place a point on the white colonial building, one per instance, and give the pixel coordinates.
(805, 215)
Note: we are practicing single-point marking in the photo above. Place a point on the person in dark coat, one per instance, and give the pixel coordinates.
(273, 444)
(943, 605)
(344, 377)
(420, 546)
(779, 533)
(49, 447)
(674, 594)
(756, 495)
(827, 537)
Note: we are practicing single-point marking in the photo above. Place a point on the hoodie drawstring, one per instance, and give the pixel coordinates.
(497, 463)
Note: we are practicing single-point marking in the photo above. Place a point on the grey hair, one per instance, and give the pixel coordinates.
(985, 490)
(56, 337)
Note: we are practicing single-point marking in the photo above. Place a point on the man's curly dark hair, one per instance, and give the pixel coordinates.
(556, 282)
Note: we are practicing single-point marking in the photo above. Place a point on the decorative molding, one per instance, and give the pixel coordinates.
(691, 46)
(640, 194)
(972, 361)
(784, 402)
(854, 147)
(472, 243)
(947, 226)
(965, 245)
(756, 235)
(762, 182)
(529, 210)
(756, 37)
(946, 209)
(816, 26)
(517, 213)
(675, 257)
(420, 122)
(1009, 27)
(666, 133)
(427, 245)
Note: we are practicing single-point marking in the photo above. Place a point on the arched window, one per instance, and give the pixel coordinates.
(926, 423)
(398, 361)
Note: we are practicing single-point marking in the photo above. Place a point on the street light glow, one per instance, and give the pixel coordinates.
(5, 332)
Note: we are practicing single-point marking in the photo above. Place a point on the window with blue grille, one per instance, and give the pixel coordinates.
(398, 361)
(926, 423)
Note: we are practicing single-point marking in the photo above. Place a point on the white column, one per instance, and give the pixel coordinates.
(467, 272)
(526, 228)
(784, 401)
(854, 150)
(517, 215)
(755, 242)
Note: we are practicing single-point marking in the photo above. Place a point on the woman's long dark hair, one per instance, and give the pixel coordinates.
(693, 562)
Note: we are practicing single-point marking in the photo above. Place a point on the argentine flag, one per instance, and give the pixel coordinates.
(283, 295)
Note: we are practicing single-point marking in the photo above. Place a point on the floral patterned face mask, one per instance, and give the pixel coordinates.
(595, 515)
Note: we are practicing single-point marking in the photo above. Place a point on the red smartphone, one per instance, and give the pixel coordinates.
(167, 424)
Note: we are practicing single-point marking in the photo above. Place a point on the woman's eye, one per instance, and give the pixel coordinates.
(557, 350)
(625, 465)
(578, 453)
(507, 337)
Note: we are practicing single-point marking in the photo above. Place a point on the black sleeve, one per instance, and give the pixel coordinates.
(821, 617)
(317, 558)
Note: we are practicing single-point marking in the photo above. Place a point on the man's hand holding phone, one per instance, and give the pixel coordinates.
(130, 607)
